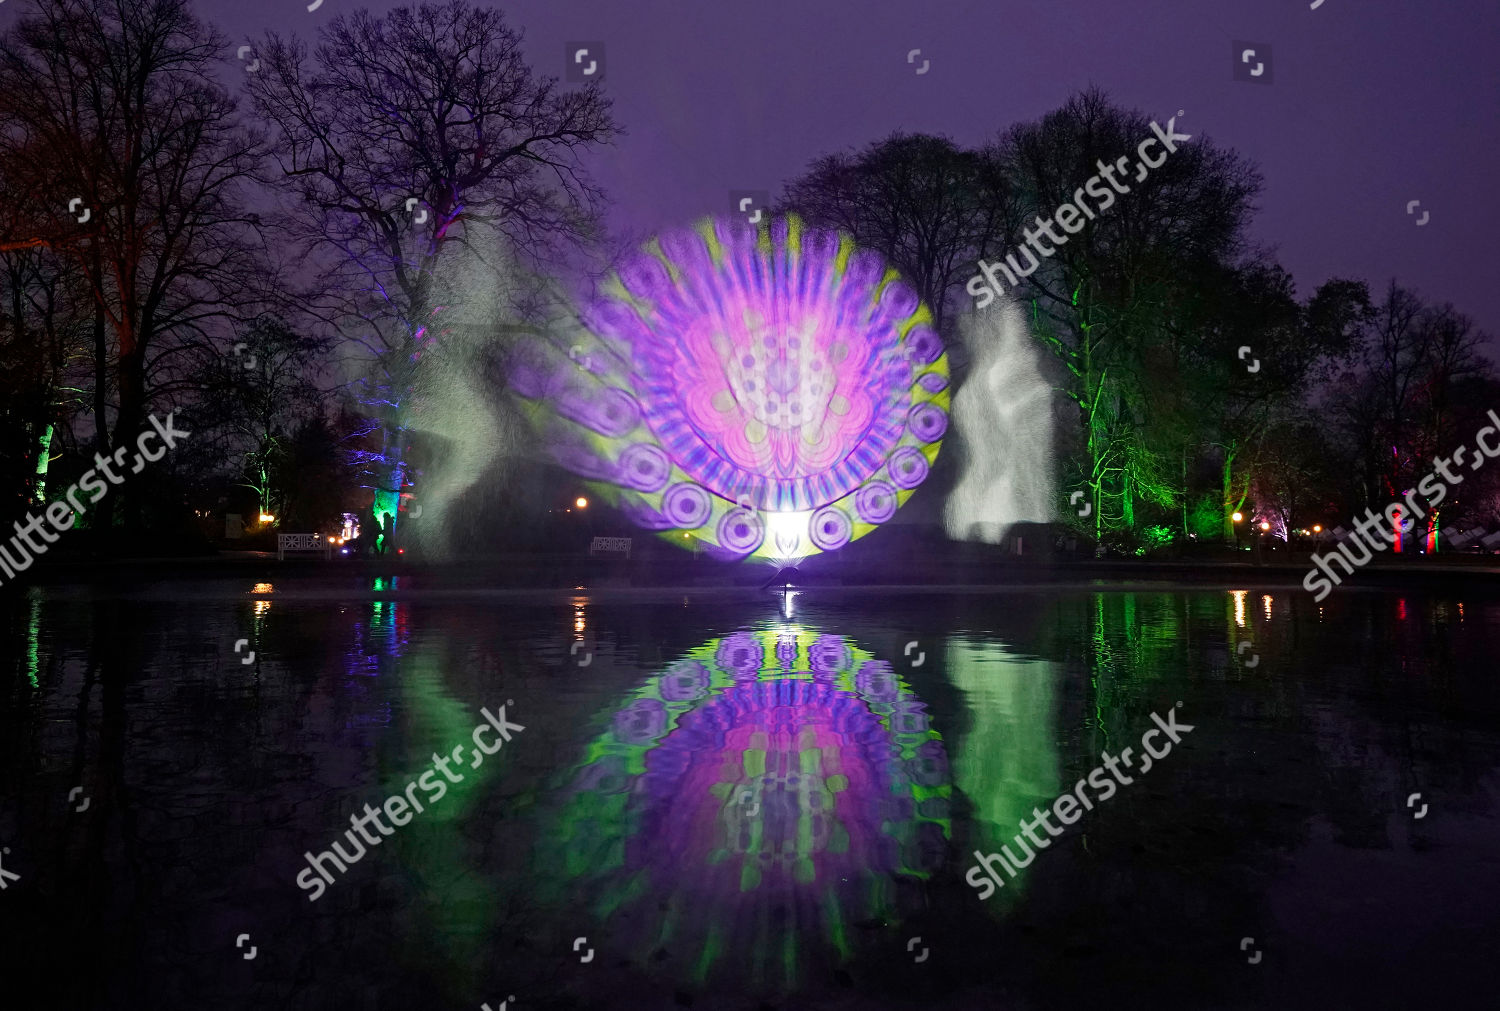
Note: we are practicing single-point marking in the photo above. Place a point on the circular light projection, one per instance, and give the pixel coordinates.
(792, 378)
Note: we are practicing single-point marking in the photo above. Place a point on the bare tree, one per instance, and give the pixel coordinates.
(928, 206)
(413, 140)
(265, 396)
(1415, 390)
(45, 321)
(131, 160)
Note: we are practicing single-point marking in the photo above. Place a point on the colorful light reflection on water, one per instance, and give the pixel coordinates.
(766, 791)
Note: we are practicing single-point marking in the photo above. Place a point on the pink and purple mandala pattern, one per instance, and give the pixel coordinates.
(773, 392)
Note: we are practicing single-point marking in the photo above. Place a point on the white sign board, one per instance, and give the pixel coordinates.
(302, 542)
(610, 545)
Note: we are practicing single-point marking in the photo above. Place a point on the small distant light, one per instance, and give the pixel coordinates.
(1264, 525)
(1317, 528)
(400, 551)
(581, 502)
(343, 551)
(333, 540)
(1238, 516)
(267, 518)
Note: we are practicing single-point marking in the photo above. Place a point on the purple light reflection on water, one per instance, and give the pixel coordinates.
(777, 769)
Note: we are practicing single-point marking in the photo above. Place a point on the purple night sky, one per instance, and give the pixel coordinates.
(1374, 103)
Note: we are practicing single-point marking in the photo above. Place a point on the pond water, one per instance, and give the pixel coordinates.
(731, 799)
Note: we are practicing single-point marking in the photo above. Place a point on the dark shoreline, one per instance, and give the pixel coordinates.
(973, 568)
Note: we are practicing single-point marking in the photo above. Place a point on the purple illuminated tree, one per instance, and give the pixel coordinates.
(418, 143)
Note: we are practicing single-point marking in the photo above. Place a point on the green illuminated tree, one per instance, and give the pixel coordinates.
(265, 394)
(46, 319)
(1116, 303)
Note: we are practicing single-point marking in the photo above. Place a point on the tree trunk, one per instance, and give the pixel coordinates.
(43, 461)
(128, 424)
(104, 511)
(1228, 504)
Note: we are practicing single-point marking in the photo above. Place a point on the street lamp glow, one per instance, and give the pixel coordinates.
(1317, 528)
(581, 502)
(267, 518)
(1264, 525)
(1238, 516)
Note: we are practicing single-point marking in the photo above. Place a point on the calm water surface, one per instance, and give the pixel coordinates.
(724, 799)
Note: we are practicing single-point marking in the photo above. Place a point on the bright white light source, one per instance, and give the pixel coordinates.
(786, 530)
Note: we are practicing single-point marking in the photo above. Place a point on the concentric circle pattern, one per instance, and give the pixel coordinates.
(830, 528)
(688, 506)
(875, 502)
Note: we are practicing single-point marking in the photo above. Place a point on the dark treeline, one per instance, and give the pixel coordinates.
(1142, 313)
(290, 264)
(291, 268)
